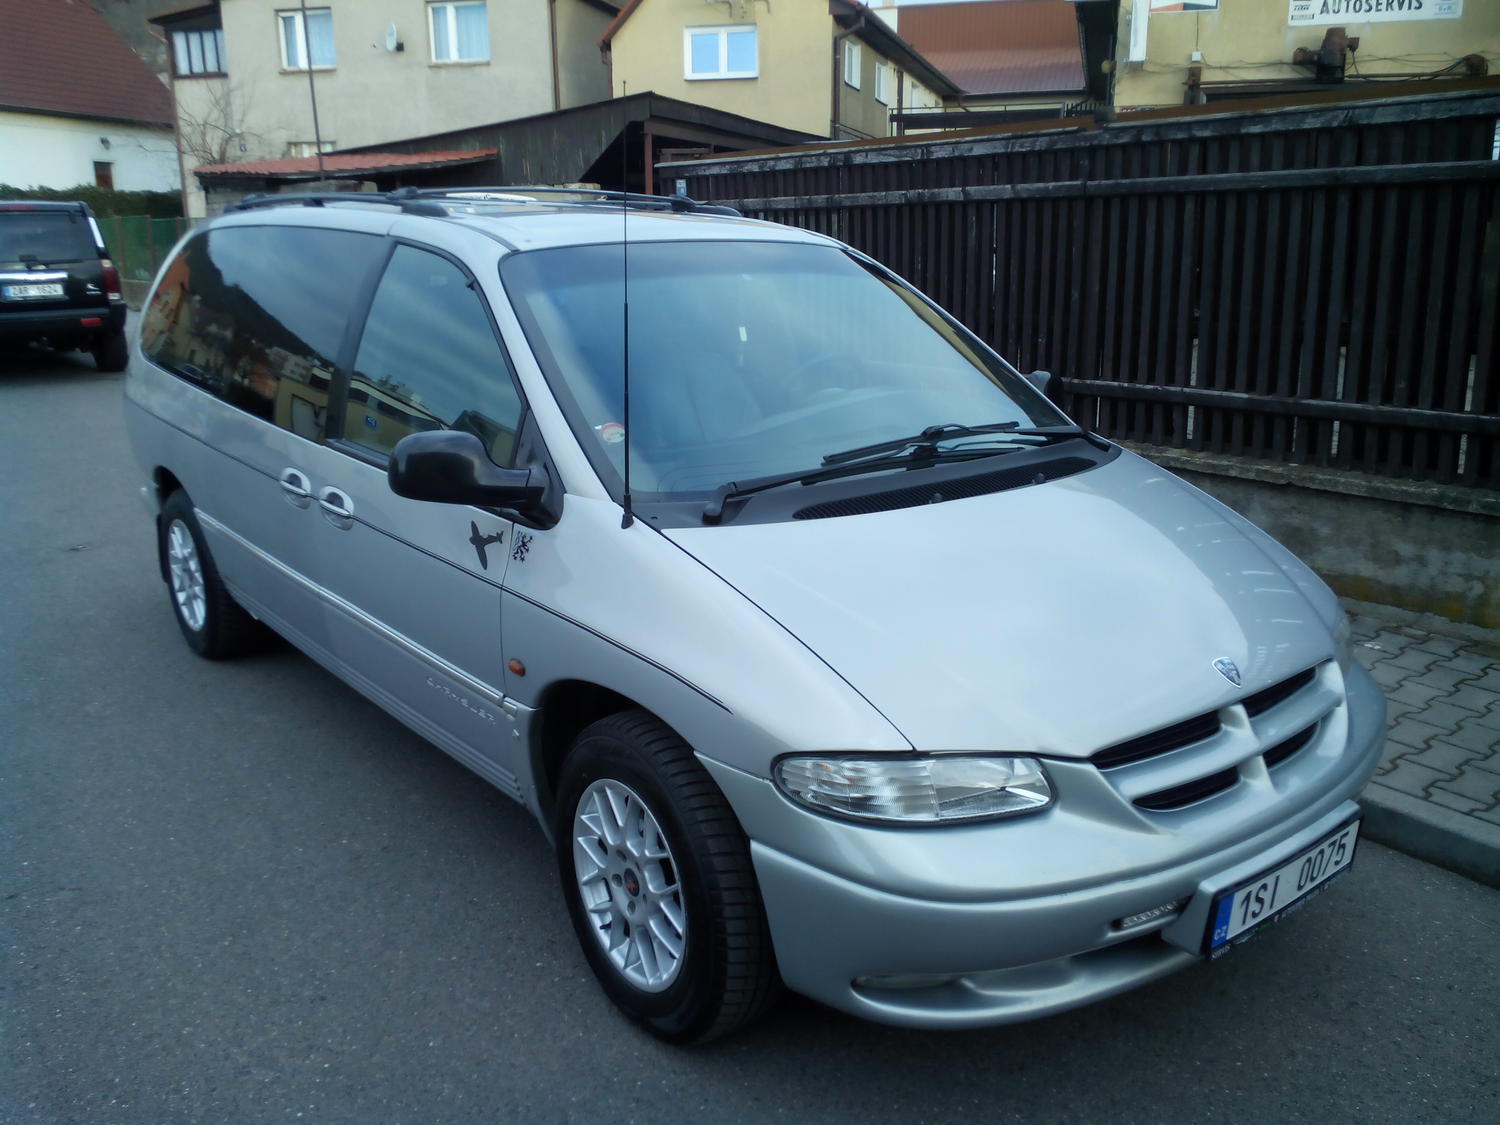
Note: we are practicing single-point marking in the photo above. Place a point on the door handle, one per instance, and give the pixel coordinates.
(336, 507)
(296, 487)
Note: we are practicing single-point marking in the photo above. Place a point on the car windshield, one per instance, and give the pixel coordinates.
(44, 237)
(748, 359)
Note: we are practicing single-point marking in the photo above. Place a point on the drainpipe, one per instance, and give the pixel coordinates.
(838, 71)
(312, 96)
(552, 30)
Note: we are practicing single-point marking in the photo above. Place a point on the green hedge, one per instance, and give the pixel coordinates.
(157, 204)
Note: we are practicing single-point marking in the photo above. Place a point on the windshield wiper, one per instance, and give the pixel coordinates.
(929, 438)
(713, 511)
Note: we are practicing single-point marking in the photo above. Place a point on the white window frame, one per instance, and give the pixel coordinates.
(449, 10)
(308, 148)
(854, 60)
(723, 32)
(884, 81)
(302, 42)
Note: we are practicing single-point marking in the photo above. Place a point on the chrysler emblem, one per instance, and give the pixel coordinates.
(1228, 670)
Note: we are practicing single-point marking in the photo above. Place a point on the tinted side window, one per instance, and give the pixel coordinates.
(429, 360)
(257, 314)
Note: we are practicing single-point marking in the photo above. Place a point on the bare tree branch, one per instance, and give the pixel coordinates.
(214, 132)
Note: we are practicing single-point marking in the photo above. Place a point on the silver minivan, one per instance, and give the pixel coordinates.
(827, 650)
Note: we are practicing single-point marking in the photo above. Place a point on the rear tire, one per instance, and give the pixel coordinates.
(212, 622)
(645, 837)
(111, 353)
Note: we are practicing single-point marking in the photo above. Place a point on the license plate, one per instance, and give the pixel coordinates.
(1235, 914)
(16, 292)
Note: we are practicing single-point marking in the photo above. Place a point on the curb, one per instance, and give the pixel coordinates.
(1430, 832)
(1431, 622)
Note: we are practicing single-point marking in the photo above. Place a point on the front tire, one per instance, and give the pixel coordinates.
(212, 622)
(657, 876)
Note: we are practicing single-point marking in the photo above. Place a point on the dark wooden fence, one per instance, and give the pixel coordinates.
(1314, 285)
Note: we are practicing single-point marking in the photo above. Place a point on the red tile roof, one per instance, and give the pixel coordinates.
(346, 162)
(999, 46)
(61, 57)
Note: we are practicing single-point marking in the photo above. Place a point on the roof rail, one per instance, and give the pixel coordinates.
(404, 198)
(512, 193)
(427, 201)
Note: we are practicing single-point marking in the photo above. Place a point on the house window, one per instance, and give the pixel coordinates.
(196, 53)
(104, 175)
(720, 52)
(303, 39)
(307, 148)
(885, 82)
(460, 31)
(854, 57)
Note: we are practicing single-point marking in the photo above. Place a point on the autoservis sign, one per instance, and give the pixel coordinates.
(1305, 12)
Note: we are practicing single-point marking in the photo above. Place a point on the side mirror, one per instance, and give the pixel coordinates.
(1045, 382)
(452, 467)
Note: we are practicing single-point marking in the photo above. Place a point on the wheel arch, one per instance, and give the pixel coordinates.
(564, 709)
(164, 482)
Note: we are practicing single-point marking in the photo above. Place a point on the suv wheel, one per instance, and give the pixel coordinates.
(212, 622)
(657, 875)
(111, 353)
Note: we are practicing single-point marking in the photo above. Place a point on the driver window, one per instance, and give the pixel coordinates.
(429, 360)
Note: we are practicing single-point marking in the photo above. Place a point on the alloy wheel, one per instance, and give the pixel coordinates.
(628, 883)
(187, 575)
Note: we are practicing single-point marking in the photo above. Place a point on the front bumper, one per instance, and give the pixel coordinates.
(1019, 919)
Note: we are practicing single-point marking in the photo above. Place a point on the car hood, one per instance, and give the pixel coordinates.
(1060, 617)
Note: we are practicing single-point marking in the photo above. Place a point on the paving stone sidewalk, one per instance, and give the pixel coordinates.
(1436, 793)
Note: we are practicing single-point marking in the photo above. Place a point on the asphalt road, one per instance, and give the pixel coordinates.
(238, 892)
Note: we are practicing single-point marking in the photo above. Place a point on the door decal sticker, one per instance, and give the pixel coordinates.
(519, 545)
(480, 542)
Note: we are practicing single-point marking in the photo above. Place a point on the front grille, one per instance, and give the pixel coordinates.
(1157, 742)
(954, 489)
(1267, 698)
(1180, 796)
(1284, 750)
(1208, 748)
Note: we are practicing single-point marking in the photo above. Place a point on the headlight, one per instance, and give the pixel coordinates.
(946, 789)
(1343, 641)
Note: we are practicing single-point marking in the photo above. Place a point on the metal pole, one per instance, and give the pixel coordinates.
(312, 94)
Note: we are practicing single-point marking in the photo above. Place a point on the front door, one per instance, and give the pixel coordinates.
(413, 588)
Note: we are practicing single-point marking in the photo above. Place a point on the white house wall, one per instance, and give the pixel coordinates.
(38, 150)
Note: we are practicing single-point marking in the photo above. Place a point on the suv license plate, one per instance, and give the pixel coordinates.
(16, 292)
(1235, 914)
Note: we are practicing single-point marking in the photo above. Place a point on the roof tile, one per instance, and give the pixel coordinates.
(60, 56)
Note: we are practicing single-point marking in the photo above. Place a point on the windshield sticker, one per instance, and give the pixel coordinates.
(480, 542)
(610, 433)
(519, 545)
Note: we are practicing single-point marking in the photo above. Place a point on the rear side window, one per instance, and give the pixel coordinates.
(256, 315)
(44, 238)
(429, 360)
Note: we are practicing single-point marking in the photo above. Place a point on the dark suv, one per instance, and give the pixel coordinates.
(57, 283)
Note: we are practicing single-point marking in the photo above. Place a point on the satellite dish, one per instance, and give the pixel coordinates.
(392, 39)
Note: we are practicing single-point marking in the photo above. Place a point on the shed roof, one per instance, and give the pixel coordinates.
(299, 167)
(1000, 46)
(61, 57)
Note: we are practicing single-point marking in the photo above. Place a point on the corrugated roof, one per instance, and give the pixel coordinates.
(346, 162)
(1000, 46)
(60, 56)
